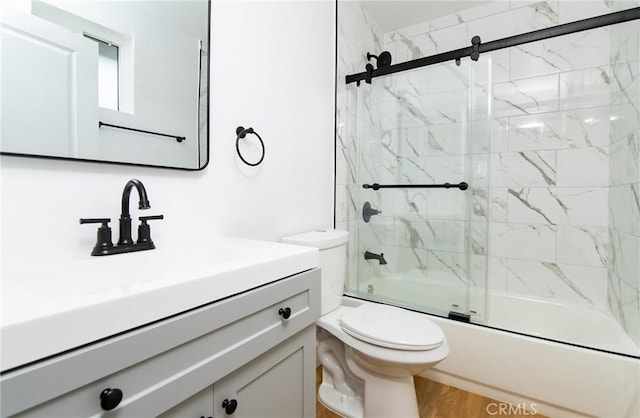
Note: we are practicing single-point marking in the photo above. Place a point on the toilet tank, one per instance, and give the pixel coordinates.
(333, 262)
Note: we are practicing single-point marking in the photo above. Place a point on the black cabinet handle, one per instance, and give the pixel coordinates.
(285, 313)
(229, 406)
(110, 398)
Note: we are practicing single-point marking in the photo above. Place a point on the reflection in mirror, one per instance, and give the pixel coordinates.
(123, 82)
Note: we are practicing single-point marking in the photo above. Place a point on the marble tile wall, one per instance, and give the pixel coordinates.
(553, 156)
(623, 285)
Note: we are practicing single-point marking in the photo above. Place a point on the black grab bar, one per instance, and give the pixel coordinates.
(376, 186)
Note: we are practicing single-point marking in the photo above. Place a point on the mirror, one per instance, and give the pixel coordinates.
(106, 81)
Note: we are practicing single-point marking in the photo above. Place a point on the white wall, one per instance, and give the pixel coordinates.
(272, 68)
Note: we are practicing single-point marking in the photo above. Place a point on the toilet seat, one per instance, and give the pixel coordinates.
(392, 327)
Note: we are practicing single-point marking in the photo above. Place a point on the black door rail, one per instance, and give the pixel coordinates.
(376, 186)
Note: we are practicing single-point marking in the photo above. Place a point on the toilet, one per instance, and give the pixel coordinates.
(369, 352)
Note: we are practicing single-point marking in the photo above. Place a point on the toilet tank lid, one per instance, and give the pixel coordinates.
(321, 239)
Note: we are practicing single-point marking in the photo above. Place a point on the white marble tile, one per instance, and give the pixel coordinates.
(498, 273)
(448, 39)
(479, 204)
(526, 96)
(570, 11)
(484, 10)
(405, 203)
(413, 44)
(617, 5)
(444, 108)
(516, 21)
(624, 43)
(443, 169)
(583, 167)
(410, 48)
(583, 88)
(432, 234)
(625, 158)
(402, 261)
(523, 169)
(530, 242)
(448, 139)
(578, 128)
(499, 202)
(446, 204)
(583, 245)
(500, 134)
(369, 169)
(492, 67)
(414, 82)
(410, 31)
(407, 106)
(480, 282)
(624, 249)
(479, 238)
(558, 281)
(345, 203)
(558, 206)
(628, 117)
(469, 14)
(565, 53)
(345, 166)
(480, 137)
(448, 267)
(411, 142)
(624, 208)
(630, 309)
(448, 76)
(449, 20)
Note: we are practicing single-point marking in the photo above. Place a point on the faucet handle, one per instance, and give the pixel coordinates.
(103, 238)
(144, 230)
(103, 221)
(150, 218)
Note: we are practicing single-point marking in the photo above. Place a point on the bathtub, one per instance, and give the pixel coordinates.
(552, 378)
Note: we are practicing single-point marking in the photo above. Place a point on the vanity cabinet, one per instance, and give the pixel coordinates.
(249, 355)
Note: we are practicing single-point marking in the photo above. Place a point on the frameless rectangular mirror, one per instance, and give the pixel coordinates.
(106, 81)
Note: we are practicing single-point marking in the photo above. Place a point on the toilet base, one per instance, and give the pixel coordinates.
(393, 399)
(341, 404)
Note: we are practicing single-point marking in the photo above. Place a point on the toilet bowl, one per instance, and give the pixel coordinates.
(369, 353)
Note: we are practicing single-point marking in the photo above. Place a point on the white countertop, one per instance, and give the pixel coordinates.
(49, 306)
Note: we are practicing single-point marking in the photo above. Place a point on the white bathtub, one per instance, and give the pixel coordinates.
(552, 378)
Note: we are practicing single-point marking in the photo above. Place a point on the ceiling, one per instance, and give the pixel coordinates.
(396, 14)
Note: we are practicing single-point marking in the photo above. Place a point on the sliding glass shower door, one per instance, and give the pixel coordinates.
(422, 189)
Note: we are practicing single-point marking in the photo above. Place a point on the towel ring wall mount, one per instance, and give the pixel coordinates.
(241, 133)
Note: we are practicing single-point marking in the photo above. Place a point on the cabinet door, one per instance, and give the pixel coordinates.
(278, 384)
(199, 405)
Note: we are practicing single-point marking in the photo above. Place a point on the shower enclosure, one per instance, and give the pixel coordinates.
(545, 241)
(414, 134)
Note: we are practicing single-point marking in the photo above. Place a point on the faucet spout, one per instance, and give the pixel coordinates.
(125, 217)
(372, 256)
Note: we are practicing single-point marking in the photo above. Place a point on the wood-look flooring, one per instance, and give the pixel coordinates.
(436, 400)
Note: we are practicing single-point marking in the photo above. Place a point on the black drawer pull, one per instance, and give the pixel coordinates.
(285, 313)
(110, 398)
(229, 406)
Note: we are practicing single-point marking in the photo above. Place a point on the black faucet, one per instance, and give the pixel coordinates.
(125, 218)
(104, 245)
(371, 256)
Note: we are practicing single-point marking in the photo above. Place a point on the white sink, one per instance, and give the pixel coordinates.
(49, 306)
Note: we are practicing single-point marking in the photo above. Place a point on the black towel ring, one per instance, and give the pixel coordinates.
(241, 133)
